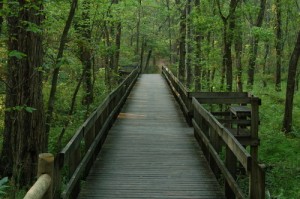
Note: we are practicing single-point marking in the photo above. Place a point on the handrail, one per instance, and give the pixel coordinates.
(42, 188)
(210, 133)
(213, 136)
(80, 152)
(181, 94)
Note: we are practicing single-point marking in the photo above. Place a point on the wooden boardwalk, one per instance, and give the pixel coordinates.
(150, 151)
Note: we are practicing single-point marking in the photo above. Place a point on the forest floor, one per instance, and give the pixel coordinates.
(280, 152)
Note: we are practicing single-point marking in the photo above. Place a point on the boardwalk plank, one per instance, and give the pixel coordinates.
(150, 152)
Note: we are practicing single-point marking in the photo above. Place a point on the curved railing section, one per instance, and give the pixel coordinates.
(224, 135)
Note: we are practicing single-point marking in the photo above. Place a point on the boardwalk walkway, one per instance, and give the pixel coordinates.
(150, 152)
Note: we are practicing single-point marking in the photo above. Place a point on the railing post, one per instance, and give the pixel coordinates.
(257, 181)
(216, 143)
(46, 166)
(231, 164)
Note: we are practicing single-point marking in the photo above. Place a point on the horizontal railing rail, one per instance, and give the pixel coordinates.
(221, 143)
(79, 154)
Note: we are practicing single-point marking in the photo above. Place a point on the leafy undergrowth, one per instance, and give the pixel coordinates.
(279, 152)
(80, 114)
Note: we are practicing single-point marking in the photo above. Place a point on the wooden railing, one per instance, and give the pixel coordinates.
(74, 161)
(79, 154)
(224, 135)
(181, 94)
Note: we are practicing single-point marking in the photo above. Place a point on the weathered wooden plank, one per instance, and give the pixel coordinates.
(150, 152)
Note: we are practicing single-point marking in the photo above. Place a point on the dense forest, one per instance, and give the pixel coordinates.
(59, 59)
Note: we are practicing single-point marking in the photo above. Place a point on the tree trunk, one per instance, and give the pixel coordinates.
(290, 88)
(142, 55)
(182, 49)
(148, 60)
(198, 52)
(1, 17)
(238, 44)
(24, 119)
(188, 43)
(238, 51)
(297, 80)
(63, 41)
(107, 57)
(118, 45)
(169, 32)
(84, 29)
(278, 46)
(267, 50)
(228, 29)
(138, 24)
(254, 45)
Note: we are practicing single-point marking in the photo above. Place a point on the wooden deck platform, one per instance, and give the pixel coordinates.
(150, 152)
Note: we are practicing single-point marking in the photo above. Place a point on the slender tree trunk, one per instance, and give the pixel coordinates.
(169, 31)
(84, 29)
(278, 46)
(290, 89)
(24, 129)
(238, 51)
(142, 54)
(148, 60)
(63, 41)
(188, 43)
(267, 50)
(297, 80)
(182, 49)
(1, 17)
(229, 25)
(138, 24)
(238, 44)
(198, 52)
(107, 58)
(118, 45)
(254, 45)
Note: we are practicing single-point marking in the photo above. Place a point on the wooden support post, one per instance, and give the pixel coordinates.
(216, 143)
(43, 188)
(74, 161)
(231, 163)
(257, 181)
(205, 128)
(89, 139)
(254, 126)
(58, 164)
(46, 166)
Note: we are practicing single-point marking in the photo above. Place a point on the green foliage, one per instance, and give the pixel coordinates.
(280, 153)
(16, 54)
(3, 186)
(264, 34)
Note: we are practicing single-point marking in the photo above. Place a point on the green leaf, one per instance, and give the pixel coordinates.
(30, 109)
(16, 54)
(32, 27)
(3, 181)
